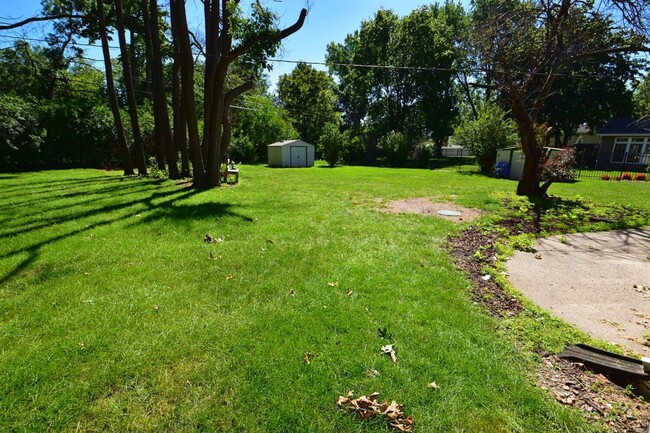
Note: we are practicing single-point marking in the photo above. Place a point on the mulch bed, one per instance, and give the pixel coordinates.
(569, 383)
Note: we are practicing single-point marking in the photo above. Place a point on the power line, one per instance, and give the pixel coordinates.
(355, 65)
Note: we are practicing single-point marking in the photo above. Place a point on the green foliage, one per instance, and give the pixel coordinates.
(332, 144)
(259, 124)
(593, 93)
(61, 118)
(20, 133)
(418, 103)
(642, 97)
(486, 134)
(393, 149)
(241, 150)
(308, 96)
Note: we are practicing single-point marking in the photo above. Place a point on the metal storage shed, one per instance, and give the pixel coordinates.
(291, 153)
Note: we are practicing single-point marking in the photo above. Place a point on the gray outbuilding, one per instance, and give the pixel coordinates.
(291, 153)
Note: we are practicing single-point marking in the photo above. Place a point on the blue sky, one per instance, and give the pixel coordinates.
(328, 21)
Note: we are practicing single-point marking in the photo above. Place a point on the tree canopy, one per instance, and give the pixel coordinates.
(525, 46)
(308, 95)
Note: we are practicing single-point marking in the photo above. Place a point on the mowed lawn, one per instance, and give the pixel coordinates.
(117, 316)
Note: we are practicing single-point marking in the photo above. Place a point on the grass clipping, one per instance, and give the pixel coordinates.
(367, 407)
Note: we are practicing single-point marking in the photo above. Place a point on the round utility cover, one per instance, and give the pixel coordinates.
(449, 213)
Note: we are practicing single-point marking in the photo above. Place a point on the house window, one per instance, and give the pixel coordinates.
(630, 150)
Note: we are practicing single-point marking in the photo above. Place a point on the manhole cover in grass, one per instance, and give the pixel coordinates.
(451, 213)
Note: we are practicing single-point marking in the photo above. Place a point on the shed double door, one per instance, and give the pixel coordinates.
(298, 156)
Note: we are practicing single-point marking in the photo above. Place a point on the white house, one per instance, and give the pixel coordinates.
(291, 153)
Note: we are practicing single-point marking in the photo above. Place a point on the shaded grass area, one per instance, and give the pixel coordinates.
(117, 316)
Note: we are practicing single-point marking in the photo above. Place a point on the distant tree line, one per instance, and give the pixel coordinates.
(395, 90)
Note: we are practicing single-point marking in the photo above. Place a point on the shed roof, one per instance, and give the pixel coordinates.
(627, 127)
(289, 142)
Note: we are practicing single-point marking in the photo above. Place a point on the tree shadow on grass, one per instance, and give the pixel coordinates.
(27, 187)
(43, 220)
(159, 204)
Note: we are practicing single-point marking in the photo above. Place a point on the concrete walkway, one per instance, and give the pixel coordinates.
(588, 280)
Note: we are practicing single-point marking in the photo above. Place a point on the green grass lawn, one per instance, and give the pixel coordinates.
(117, 316)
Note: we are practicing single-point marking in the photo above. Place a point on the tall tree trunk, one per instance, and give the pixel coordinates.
(133, 61)
(159, 143)
(112, 96)
(160, 98)
(529, 183)
(180, 127)
(138, 149)
(187, 92)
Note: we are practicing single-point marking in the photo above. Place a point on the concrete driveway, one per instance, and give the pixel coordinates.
(588, 280)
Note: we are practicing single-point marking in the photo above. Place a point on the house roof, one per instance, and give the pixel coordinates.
(627, 127)
(289, 142)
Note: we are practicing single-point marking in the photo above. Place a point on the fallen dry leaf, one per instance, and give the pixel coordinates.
(367, 407)
(333, 284)
(208, 238)
(292, 292)
(349, 293)
(229, 276)
(390, 351)
(538, 256)
(433, 385)
(309, 357)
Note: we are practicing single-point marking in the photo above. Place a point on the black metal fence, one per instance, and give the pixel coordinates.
(591, 164)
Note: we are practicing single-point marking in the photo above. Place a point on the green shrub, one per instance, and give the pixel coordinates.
(241, 149)
(393, 149)
(486, 134)
(332, 144)
(20, 133)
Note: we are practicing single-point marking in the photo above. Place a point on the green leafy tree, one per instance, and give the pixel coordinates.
(259, 123)
(309, 97)
(642, 97)
(490, 131)
(393, 148)
(525, 46)
(333, 144)
(591, 92)
(20, 133)
(412, 89)
(63, 98)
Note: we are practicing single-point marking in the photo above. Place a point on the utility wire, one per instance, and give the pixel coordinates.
(359, 65)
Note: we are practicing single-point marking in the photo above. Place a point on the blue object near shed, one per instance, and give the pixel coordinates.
(502, 170)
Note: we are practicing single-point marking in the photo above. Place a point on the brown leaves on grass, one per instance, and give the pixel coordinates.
(367, 407)
(208, 238)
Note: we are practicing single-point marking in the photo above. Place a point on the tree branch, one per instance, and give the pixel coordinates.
(36, 19)
(241, 49)
(234, 93)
